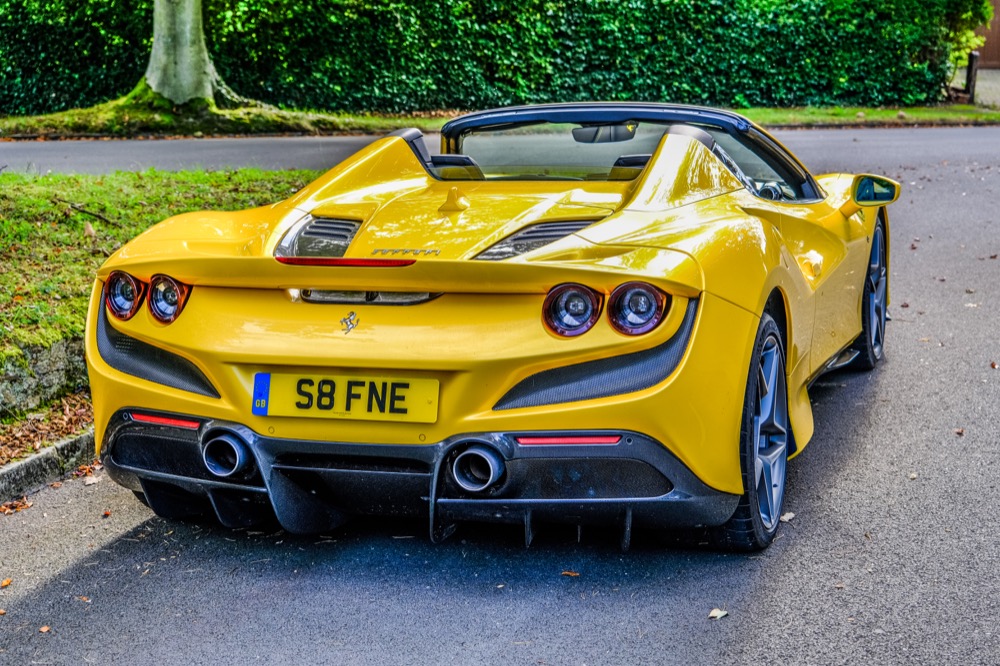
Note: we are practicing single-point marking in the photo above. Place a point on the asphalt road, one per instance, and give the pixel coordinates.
(891, 558)
(40, 157)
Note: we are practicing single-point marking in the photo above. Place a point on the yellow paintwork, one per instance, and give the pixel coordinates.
(702, 236)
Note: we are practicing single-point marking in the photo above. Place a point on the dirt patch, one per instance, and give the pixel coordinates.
(68, 416)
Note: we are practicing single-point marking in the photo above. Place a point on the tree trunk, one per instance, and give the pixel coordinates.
(180, 68)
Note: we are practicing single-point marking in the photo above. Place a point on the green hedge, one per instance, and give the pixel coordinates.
(381, 55)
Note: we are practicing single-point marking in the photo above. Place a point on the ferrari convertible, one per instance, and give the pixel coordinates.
(602, 313)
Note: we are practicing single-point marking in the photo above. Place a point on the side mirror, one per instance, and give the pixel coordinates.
(867, 191)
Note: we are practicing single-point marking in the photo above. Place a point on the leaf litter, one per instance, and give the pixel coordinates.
(70, 415)
(14, 506)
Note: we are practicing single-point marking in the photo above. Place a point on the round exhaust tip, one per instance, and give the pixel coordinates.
(477, 469)
(226, 455)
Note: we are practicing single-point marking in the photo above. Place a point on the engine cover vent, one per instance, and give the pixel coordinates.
(318, 237)
(532, 238)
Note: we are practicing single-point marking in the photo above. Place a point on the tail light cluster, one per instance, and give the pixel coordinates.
(165, 296)
(633, 308)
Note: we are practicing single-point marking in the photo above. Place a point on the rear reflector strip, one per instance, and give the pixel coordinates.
(568, 441)
(165, 421)
(340, 261)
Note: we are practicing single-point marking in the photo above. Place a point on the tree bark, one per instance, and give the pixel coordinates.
(180, 68)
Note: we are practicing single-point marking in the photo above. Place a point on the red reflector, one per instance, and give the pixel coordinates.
(340, 261)
(166, 421)
(568, 441)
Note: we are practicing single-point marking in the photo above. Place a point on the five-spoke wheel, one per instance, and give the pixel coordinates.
(764, 445)
(874, 302)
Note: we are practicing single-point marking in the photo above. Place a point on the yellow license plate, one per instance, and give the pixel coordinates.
(358, 397)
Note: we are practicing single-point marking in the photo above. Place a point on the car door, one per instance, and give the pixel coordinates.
(829, 250)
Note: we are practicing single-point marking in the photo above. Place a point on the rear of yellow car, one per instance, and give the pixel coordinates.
(437, 342)
(465, 406)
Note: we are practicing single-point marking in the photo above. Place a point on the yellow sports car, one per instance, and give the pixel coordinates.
(585, 313)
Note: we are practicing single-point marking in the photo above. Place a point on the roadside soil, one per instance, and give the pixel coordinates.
(70, 415)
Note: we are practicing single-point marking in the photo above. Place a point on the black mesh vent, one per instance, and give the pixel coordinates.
(583, 478)
(605, 377)
(136, 358)
(532, 238)
(145, 450)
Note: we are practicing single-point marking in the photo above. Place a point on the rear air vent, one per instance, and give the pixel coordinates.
(318, 237)
(342, 230)
(532, 238)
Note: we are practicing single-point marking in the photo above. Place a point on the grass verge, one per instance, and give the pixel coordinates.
(132, 116)
(143, 113)
(55, 230)
(951, 114)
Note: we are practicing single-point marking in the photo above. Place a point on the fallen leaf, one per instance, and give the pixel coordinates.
(90, 480)
(994, 365)
(85, 600)
(913, 246)
(14, 506)
(993, 256)
(960, 432)
(5, 583)
(571, 574)
(717, 614)
(786, 517)
(905, 305)
(44, 630)
(55, 484)
(88, 470)
(107, 514)
(2, 612)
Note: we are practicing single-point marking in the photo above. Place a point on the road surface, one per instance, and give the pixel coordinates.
(891, 558)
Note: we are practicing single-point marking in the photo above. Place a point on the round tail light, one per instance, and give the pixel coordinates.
(636, 308)
(166, 298)
(571, 309)
(123, 295)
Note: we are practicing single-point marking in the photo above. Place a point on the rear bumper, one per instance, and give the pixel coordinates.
(314, 486)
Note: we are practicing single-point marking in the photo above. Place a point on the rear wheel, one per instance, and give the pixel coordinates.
(874, 304)
(764, 437)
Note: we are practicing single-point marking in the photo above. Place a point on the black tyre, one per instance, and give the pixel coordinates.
(873, 305)
(764, 438)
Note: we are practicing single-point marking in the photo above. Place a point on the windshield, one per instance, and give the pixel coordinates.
(552, 151)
